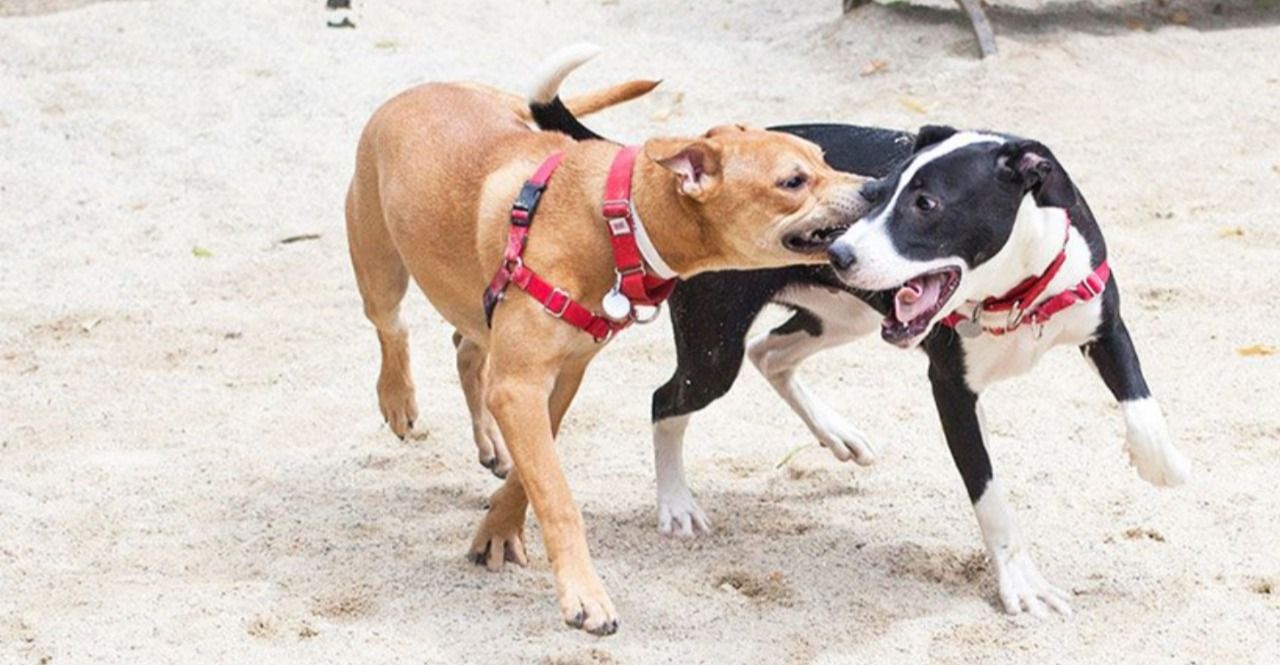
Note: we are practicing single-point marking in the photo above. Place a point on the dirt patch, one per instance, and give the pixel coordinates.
(770, 588)
(348, 606)
(940, 566)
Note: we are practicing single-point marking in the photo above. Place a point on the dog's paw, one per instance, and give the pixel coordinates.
(1150, 447)
(585, 605)
(1023, 589)
(398, 404)
(492, 448)
(844, 440)
(679, 514)
(1162, 467)
(497, 543)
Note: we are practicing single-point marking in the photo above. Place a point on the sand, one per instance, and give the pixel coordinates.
(192, 464)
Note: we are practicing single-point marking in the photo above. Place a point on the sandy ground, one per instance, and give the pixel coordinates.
(192, 464)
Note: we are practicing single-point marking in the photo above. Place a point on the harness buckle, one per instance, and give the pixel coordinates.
(614, 208)
(1093, 285)
(564, 303)
(527, 199)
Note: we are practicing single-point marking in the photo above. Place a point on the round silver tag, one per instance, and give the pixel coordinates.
(968, 328)
(616, 306)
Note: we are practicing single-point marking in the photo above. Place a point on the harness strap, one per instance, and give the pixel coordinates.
(1091, 287)
(1033, 287)
(560, 305)
(635, 283)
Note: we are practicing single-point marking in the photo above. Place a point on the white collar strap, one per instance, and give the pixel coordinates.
(648, 251)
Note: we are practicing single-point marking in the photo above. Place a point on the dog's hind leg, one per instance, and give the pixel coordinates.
(383, 279)
(1147, 437)
(491, 447)
(826, 319)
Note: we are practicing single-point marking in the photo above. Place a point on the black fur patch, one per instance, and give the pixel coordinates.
(555, 116)
(802, 320)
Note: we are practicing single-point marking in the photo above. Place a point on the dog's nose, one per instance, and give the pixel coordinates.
(841, 255)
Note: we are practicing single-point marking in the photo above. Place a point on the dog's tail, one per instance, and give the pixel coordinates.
(550, 113)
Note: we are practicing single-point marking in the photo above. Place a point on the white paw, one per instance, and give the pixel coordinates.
(1023, 589)
(844, 440)
(679, 515)
(1151, 448)
(1163, 466)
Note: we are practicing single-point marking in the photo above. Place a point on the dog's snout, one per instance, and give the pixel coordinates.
(841, 255)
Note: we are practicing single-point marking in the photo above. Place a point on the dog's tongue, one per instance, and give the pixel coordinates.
(916, 297)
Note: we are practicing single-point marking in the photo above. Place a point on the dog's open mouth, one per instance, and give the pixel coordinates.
(917, 302)
(813, 240)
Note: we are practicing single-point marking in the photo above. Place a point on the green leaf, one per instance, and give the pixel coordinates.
(792, 453)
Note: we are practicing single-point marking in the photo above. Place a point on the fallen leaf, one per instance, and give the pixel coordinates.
(912, 105)
(1133, 23)
(1231, 232)
(1257, 350)
(299, 238)
(200, 252)
(875, 67)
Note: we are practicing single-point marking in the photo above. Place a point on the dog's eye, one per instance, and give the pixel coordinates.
(794, 182)
(926, 203)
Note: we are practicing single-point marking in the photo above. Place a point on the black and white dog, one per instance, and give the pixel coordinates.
(979, 250)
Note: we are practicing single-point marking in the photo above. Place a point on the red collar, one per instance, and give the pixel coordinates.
(634, 287)
(1022, 296)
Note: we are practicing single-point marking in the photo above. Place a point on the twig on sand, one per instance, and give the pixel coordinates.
(299, 238)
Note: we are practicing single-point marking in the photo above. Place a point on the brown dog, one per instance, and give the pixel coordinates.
(436, 171)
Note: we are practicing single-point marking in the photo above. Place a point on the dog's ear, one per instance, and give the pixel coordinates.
(932, 134)
(1033, 166)
(696, 163)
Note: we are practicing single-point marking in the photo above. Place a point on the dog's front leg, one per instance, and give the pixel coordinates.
(1146, 435)
(530, 377)
(1020, 584)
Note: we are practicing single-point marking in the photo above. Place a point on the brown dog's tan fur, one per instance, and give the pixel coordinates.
(436, 171)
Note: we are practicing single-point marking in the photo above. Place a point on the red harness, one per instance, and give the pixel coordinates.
(633, 282)
(1016, 301)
